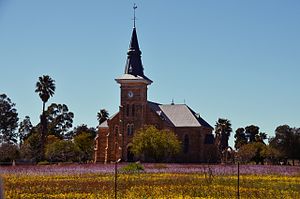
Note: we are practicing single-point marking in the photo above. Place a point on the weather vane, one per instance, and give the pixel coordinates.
(134, 18)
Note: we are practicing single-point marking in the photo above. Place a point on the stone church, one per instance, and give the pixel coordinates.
(114, 137)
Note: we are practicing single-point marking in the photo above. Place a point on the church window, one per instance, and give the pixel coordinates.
(129, 129)
(186, 144)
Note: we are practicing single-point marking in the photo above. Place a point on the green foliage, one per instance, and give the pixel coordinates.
(79, 130)
(59, 119)
(155, 145)
(135, 167)
(8, 152)
(25, 128)
(62, 151)
(8, 120)
(255, 151)
(85, 143)
(30, 149)
(287, 140)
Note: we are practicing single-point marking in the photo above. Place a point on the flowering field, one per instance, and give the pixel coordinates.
(156, 181)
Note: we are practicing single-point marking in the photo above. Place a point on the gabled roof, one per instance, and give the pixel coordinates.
(179, 115)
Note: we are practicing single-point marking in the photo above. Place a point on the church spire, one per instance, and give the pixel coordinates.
(134, 64)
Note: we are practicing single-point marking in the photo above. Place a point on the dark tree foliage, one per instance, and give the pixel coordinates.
(287, 140)
(59, 120)
(240, 138)
(8, 120)
(222, 131)
(102, 115)
(8, 152)
(25, 128)
(251, 132)
(45, 87)
(81, 129)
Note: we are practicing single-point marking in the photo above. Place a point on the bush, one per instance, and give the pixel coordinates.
(132, 168)
(8, 152)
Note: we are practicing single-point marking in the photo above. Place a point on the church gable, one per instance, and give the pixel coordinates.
(178, 115)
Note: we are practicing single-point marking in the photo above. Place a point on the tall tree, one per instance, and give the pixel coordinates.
(45, 87)
(287, 140)
(59, 119)
(102, 115)
(222, 131)
(251, 132)
(240, 138)
(8, 120)
(24, 129)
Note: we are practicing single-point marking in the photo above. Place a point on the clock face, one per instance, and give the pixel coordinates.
(130, 94)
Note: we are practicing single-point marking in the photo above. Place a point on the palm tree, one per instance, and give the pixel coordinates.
(102, 115)
(222, 130)
(45, 87)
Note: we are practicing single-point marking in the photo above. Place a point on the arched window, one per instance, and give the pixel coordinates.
(129, 129)
(186, 143)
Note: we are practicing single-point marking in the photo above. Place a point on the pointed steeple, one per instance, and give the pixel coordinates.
(134, 69)
(134, 64)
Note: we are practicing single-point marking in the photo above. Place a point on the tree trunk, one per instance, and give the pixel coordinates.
(43, 133)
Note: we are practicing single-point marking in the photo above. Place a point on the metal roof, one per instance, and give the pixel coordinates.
(179, 115)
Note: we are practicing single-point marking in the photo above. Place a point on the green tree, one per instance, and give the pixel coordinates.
(255, 151)
(240, 138)
(59, 120)
(222, 131)
(45, 87)
(152, 144)
(62, 151)
(30, 149)
(8, 152)
(81, 129)
(102, 115)
(8, 120)
(287, 140)
(251, 132)
(85, 142)
(25, 128)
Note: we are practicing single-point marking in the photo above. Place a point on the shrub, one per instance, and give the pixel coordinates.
(132, 168)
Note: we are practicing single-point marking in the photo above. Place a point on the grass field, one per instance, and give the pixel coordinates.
(156, 181)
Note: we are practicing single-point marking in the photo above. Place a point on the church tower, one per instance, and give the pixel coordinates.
(133, 95)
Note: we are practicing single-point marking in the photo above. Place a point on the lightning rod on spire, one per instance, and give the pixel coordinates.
(134, 18)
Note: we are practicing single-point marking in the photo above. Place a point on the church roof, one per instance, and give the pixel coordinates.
(179, 115)
(134, 64)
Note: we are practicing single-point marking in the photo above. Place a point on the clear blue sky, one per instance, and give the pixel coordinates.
(233, 59)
